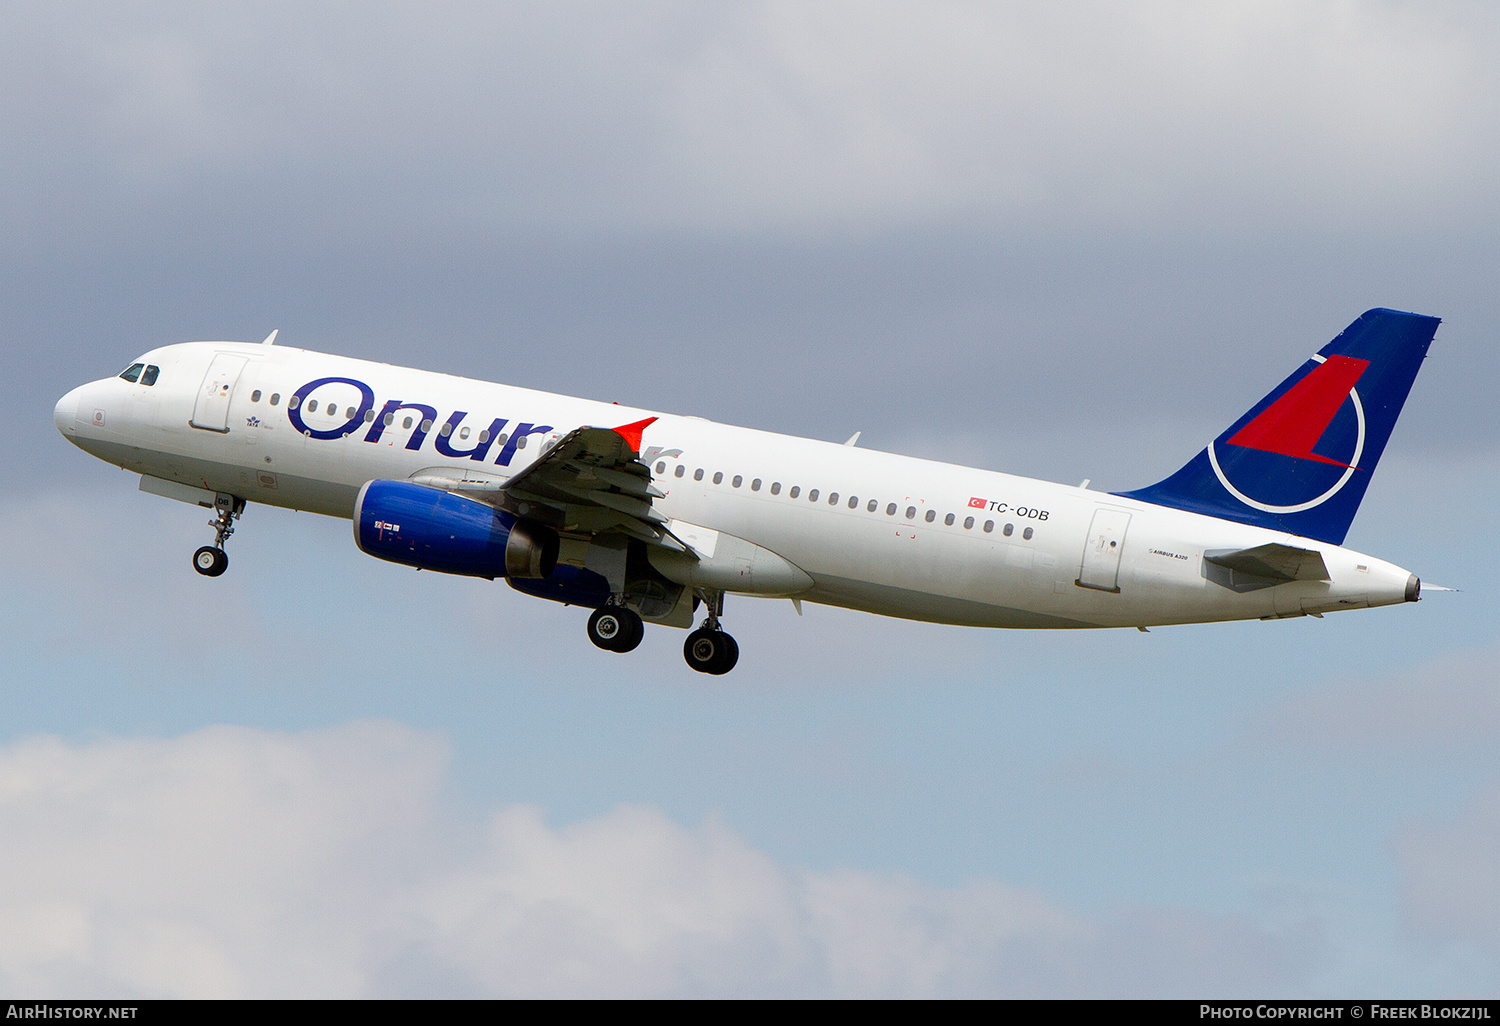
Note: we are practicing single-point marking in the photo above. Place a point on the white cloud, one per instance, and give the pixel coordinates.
(233, 862)
(771, 115)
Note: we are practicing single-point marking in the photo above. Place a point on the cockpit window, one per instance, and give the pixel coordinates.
(148, 376)
(133, 372)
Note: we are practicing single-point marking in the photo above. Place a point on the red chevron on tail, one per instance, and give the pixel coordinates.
(1292, 425)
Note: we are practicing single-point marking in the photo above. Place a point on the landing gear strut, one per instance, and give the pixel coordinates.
(616, 629)
(210, 560)
(708, 649)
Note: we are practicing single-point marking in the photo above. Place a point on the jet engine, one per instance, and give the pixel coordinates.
(432, 529)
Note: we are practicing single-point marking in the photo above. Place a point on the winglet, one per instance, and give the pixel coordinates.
(632, 432)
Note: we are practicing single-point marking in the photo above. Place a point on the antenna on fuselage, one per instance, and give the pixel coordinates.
(271, 338)
(853, 438)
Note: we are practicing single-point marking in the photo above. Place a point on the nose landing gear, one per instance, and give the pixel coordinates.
(210, 560)
(708, 649)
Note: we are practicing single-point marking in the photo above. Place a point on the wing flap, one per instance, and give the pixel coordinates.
(591, 481)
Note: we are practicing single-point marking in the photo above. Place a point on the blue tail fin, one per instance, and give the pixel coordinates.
(1301, 459)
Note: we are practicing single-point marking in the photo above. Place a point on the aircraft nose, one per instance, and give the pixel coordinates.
(65, 414)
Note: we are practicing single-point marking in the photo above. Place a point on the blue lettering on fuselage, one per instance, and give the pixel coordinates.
(442, 441)
(294, 407)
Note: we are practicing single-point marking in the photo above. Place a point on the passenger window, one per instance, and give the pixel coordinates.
(931, 515)
(501, 438)
(445, 430)
(1026, 534)
(275, 398)
(872, 507)
(406, 423)
(911, 512)
(989, 525)
(463, 432)
(890, 510)
(812, 496)
(795, 491)
(370, 418)
(968, 523)
(661, 467)
(680, 470)
(948, 520)
(737, 481)
(755, 485)
(132, 373)
(148, 376)
(833, 498)
(294, 402)
(484, 435)
(255, 396)
(1010, 529)
(775, 487)
(854, 502)
(698, 474)
(718, 477)
(312, 407)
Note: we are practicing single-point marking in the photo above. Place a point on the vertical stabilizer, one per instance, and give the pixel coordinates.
(1300, 459)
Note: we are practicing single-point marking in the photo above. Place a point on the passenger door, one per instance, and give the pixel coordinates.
(1101, 554)
(211, 411)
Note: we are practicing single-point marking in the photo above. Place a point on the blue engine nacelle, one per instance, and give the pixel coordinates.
(570, 585)
(431, 529)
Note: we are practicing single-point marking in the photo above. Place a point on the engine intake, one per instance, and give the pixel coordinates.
(431, 529)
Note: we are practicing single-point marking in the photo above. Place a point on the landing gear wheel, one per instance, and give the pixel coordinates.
(616, 629)
(710, 651)
(210, 562)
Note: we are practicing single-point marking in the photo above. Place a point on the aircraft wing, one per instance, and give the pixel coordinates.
(591, 481)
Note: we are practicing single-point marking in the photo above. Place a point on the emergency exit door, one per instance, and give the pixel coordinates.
(1101, 554)
(211, 411)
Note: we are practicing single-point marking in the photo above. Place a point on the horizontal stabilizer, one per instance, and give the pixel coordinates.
(1274, 561)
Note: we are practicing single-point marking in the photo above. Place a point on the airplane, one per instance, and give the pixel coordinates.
(643, 516)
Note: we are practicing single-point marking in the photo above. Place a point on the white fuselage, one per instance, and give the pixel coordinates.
(942, 543)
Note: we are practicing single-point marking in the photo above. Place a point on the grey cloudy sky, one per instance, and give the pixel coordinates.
(1069, 240)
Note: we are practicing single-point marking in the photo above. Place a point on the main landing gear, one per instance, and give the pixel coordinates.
(708, 649)
(616, 629)
(210, 560)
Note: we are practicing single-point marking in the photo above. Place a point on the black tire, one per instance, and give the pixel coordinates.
(731, 654)
(616, 629)
(709, 651)
(210, 562)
